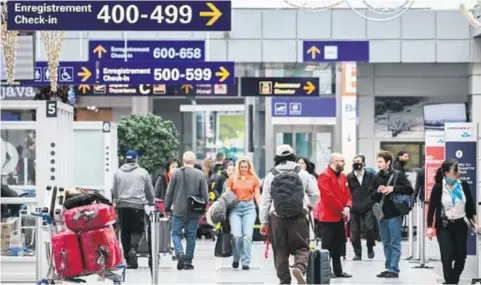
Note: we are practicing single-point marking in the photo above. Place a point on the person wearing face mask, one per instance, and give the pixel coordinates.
(451, 207)
(385, 183)
(163, 180)
(362, 218)
(336, 203)
(401, 160)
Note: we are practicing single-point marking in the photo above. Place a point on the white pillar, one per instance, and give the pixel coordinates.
(141, 105)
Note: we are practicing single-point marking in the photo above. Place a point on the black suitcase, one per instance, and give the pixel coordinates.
(318, 267)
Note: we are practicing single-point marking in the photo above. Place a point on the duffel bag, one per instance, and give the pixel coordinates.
(94, 216)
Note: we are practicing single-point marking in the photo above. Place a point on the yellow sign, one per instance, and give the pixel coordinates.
(187, 88)
(83, 88)
(265, 87)
(85, 74)
(313, 51)
(309, 87)
(214, 14)
(99, 50)
(223, 74)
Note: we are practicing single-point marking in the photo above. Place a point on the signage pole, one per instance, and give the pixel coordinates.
(154, 229)
(422, 240)
(410, 236)
(417, 246)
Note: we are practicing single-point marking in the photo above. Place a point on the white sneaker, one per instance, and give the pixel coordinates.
(296, 272)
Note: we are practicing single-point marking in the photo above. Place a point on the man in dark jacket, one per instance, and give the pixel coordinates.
(219, 175)
(362, 218)
(386, 183)
(401, 160)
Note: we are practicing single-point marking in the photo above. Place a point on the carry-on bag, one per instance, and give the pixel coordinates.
(100, 249)
(318, 266)
(67, 254)
(89, 217)
(164, 235)
(224, 245)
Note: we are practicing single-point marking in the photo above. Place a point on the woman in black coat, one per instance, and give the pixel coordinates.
(162, 181)
(451, 206)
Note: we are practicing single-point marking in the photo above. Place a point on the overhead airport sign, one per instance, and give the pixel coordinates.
(291, 86)
(147, 50)
(119, 15)
(335, 51)
(168, 72)
(68, 73)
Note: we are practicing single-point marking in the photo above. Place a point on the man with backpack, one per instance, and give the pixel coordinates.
(288, 194)
(218, 176)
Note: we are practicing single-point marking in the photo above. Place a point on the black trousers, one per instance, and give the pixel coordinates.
(289, 236)
(334, 240)
(131, 222)
(453, 246)
(362, 224)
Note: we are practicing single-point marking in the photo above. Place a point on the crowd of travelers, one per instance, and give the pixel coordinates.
(362, 203)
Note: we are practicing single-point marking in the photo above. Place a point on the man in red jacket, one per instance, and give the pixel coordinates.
(335, 204)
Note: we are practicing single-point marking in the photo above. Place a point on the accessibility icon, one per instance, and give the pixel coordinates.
(66, 74)
(38, 74)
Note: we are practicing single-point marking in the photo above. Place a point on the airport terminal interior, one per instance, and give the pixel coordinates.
(84, 83)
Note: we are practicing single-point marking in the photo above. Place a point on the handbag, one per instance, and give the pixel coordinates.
(224, 244)
(195, 203)
(377, 207)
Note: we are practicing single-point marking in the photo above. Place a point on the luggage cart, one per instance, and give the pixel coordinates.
(53, 278)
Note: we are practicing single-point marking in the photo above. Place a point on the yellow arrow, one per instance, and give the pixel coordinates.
(187, 88)
(83, 88)
(313, 50)
(309, 87)
(99, 50)
(214, 13)
(223, 74)
(85, 74)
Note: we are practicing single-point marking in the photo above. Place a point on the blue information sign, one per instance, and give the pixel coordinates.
(68, 73)
(461, 144)
(147, 50)
(168, 72)
(96, 15)
(321, 107)
(280, 86)
(335, 51)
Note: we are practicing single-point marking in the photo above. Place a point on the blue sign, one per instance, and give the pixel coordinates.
(119, 15)
(68, 73)
(461, 144)
(147, 50)
(320, 107)
(335, 51)
(168, 72)
(280, 86)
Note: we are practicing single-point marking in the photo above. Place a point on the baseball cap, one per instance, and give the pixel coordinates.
(131, 154)
(284, 150)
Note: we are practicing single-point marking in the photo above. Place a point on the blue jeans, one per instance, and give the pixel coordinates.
(190, 225)
(390, 230)
(242, 219)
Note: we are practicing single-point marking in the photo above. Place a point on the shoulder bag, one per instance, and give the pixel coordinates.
(195, 203)
(377, 207)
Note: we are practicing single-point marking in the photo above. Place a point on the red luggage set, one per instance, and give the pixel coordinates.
(90, 244)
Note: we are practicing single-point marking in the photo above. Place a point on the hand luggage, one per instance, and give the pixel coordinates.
(224, 246)
(164, 235)
(100, 249)
(318, 267)
(66, 254)
(94, 216)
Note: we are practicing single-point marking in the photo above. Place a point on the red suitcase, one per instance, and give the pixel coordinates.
(94, 216)
(67, 255)
(98, 245)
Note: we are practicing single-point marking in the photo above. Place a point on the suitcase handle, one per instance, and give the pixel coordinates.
(87, 214)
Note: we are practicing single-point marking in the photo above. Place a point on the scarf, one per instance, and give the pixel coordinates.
(456, 190)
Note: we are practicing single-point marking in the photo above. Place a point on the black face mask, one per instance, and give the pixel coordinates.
(402, 162)
(357, 166)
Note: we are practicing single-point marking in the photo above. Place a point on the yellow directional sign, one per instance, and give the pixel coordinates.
(309, 87)
(223, 74)
(187, 88)
(313, 51)
(99, 50)
(214, 14)
(83, 88)
(85, 74)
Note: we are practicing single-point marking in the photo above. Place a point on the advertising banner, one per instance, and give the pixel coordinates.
(461, 144)
(349, 107)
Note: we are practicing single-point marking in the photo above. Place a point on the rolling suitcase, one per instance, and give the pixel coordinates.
(66, 254)
(94, 216)
(164, 235)
(318, 267)
(100, 249)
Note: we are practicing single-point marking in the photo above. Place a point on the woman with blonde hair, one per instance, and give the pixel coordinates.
(245, 184)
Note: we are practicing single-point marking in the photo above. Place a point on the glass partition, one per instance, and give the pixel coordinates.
(88, 154)
(18, 156)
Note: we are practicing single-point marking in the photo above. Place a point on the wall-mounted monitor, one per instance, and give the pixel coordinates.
(436, 115)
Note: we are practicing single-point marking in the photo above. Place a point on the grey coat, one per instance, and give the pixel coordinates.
(218, 212)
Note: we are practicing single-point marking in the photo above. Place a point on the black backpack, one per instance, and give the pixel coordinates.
(287, 191)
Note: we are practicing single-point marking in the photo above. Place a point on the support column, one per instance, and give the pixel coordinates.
(141, 105)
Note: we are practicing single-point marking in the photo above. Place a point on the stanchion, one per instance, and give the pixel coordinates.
(422, 241)
(417, 244)
(154, 242)
(410, 236)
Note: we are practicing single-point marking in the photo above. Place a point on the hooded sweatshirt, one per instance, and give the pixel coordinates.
(132, 187)
(308, 181)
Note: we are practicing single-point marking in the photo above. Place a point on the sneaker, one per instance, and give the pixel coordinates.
(297, 273)
(180, 261)
(391, 275)
(245, 267)
(343, 275)
(357, 258)
(132, 258)
(188, 266)
(235, 264)
(370, 254)
(382, 274)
